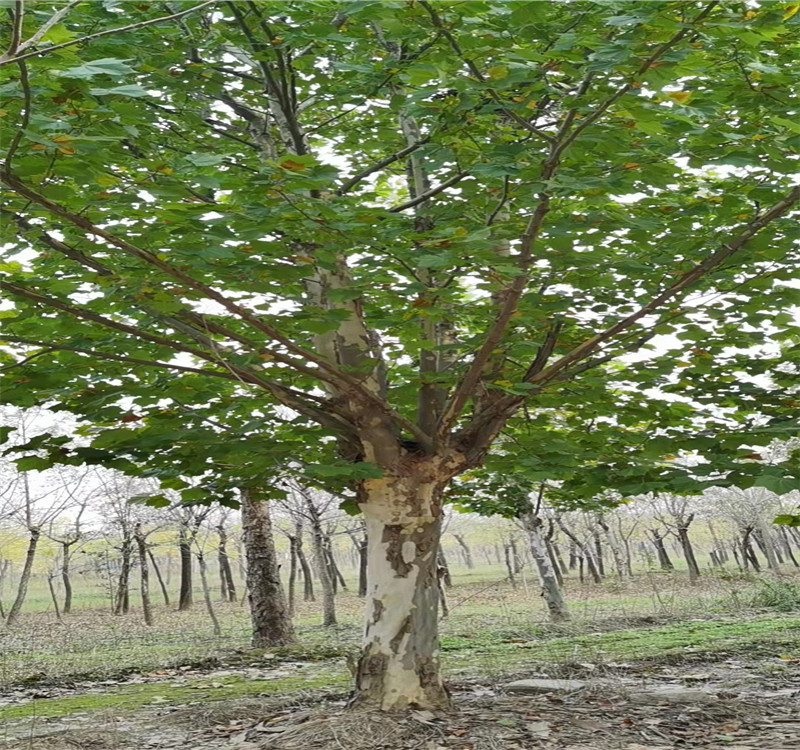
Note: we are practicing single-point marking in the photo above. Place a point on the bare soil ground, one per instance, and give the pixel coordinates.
(750, 702)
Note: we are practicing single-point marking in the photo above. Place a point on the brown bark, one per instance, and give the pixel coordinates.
(225, 573)
(144, 574)
(272, 625)
(185, 597)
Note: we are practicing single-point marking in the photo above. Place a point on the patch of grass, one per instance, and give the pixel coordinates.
(771, 634)
(130, 697)
(783, 596)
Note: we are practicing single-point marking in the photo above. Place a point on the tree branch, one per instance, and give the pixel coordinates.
(435, 190)
(4, 60)
(355, 179)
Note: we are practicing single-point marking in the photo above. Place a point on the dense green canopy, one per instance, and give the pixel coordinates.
(509, 197)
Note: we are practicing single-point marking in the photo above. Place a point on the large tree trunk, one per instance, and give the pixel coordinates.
(144, 575)
(185, 550)
(272, 625)
(160, 580)
(65, 578)
(400, 662)
(551, 591)
(25, 578)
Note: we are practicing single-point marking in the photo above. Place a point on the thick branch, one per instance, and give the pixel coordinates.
(503, 407)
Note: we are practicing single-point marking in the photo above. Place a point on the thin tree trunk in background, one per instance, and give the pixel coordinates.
(169, 568)
(53, 597)
(613, 545)
(308, 580)
(585, 552)
(551, 590)
(573, 556)
(466, 551)
(5, 565)
(688, 550)
(559, 558)
(292, 582)
(763, 536)
(553, 562)
(498, 553)
(326, 583)
(663, 557)
(185, 550)
(509, 565)
(227, 585)
(598, 553)
(748, 553)
(517, 560)
(144, 575)
(25, 577)
(122, 599)
(160, 580)
(722, 555)
(440, 572)
(443, 568)
(335, 573)
(65, 578)
(207, 595)
(784, 538)
(272, 625)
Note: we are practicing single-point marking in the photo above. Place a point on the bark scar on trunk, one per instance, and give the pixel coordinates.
(397, 638)
(377, 610)
(393, 539)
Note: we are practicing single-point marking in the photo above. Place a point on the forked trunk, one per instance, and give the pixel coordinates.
(400, 662)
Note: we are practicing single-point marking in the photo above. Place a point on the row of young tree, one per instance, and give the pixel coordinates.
(98, 528)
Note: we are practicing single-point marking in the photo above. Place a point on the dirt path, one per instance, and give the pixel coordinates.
(736, 702)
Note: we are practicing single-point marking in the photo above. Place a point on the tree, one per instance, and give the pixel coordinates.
(272, 624)
(522, 194)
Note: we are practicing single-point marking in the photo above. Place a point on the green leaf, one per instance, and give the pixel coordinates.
(126, 90)
(105, 66)
(33, 463)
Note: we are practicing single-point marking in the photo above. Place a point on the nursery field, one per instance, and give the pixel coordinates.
(733, 641)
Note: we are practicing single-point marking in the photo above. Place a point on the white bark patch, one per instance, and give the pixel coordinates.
(409, 552)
